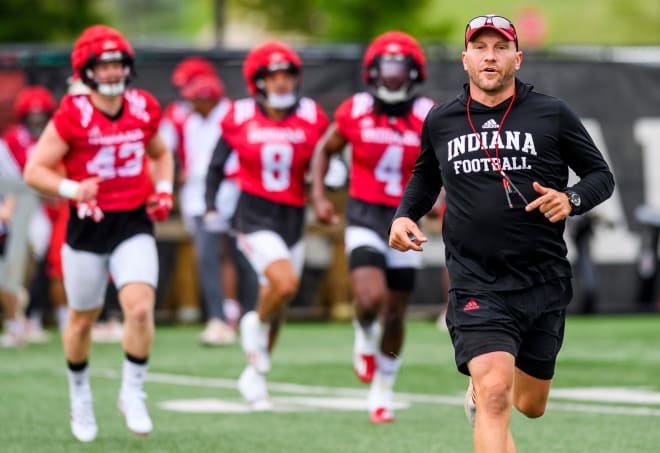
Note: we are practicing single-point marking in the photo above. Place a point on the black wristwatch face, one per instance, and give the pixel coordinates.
(574, 199)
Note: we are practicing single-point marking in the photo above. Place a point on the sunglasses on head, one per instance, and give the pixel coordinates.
(497, 21)
(500, 22)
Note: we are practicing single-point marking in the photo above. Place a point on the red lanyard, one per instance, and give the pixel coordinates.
(496, 161)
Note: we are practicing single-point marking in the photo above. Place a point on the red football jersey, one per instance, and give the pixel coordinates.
(114, 150)
(274, 155)
(385, 148)
(20, 143)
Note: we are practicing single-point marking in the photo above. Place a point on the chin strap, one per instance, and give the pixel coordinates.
(111, 89)
(281, 101)
(392, 97)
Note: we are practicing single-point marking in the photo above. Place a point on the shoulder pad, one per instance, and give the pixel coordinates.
(362, 104)
(244, 109)
(421, 107)
(85, 109)
(137, 104)
(307, 110)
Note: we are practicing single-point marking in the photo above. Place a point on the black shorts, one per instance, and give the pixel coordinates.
(255, 213)
(376, 217)
(103, 237)
(527, 323)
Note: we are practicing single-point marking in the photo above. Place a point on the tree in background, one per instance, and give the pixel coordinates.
(589, 22)
(175, 22)
(45, 20)
(344, 20)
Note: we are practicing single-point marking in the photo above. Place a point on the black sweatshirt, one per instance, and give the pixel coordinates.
(489, 245)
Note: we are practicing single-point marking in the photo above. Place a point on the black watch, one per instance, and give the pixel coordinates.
(574, 200)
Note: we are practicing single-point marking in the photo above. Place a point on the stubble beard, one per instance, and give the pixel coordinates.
(490, 86)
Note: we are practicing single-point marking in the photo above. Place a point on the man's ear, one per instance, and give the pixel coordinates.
(463, 59)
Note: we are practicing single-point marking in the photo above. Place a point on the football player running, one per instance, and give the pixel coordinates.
(109, 143)
(383, 126)
(274, 133)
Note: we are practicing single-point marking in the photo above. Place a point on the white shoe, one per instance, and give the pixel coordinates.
(132, 405)
(36, 334)
(252, 386)
(217, 333)
(364, 351)
(108, 332)
(468, 404)
(10, 340)
(83, 422)
(379, 401)
(254, 340)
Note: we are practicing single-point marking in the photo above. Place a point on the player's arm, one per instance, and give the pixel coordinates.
(159, 205)
(162, 163)
(41, 169)
(418, 198)
(7, 207)
(331, 143)
(216, 173)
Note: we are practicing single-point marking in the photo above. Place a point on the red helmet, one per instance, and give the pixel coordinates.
(100, 43)
(266, 57)
(203, 86)
(394, 44)
(34, 99)
(191, 67)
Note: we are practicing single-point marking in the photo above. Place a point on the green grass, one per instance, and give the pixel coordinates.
(598, 352)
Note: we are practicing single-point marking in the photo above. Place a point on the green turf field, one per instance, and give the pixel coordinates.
(607, 397)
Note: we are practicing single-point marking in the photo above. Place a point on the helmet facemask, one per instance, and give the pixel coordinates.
(34, 107)
(267, 58)
(35, 122)
(393, 67)
(105, 88)
(393, 78)
(278, 101)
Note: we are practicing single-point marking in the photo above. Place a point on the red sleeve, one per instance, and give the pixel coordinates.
(343, 115)
(323, 121)
(64, 118)
(154, 112)
(171, 112)
(229, 127)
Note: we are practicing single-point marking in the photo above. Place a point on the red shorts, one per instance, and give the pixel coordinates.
(59, 216)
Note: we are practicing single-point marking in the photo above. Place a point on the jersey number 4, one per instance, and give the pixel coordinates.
(129, 157)
(388, 170)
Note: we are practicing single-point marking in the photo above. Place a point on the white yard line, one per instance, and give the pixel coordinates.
(298, 389)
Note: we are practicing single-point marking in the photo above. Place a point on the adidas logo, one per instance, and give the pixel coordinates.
(471, 305)
(490, 124)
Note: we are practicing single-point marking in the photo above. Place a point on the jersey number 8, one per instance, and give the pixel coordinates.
(276, 162)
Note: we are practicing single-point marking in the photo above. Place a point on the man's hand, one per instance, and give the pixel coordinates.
(552, 203)
(212, 220)
(88, 189)
(89, 209)
(325, 211)
(405, 235)
(159, 206)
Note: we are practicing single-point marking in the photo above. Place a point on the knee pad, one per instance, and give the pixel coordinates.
(401, 279)
(366, 256)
